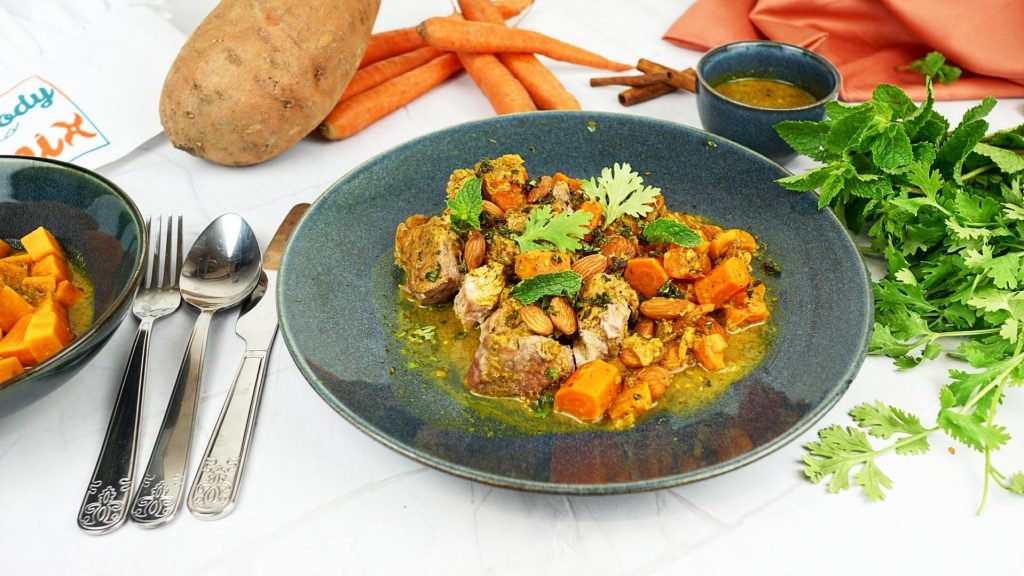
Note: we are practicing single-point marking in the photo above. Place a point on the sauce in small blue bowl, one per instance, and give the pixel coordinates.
(752, 125)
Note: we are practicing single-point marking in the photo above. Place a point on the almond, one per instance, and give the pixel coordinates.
(562, 316)
(630, 359)
(475, 250)
(536, 320)
(659, 308)
(656, 378)
(619, 247)
(590, 266)
(673, 360)
(493, 209)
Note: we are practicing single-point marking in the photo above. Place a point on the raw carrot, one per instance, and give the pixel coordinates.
(534, 262)
(646, 275)
(463, 36)
(723, 282)
(727, 239)
(380, 72)
(545, 90)
(588, 392)
(358, 112)
(506, 94)
(383, 45)
(390, 43)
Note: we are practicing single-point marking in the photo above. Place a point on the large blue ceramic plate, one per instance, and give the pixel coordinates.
(338, 303)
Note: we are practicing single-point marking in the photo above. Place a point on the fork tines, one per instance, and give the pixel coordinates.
(164, 257)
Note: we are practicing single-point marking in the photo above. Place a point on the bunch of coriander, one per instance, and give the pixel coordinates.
(944, 207)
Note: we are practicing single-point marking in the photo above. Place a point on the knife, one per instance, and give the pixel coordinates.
(215, 486)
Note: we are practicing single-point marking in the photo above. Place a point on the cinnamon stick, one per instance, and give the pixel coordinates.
(682, 79)
(641, 80)
(640, 94)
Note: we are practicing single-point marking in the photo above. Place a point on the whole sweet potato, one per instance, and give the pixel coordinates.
(257, 76)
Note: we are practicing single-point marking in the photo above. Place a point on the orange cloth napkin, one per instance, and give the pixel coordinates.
(868, 40)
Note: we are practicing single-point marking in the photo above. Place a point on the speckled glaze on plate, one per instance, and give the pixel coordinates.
(334, 306)
(93, 219)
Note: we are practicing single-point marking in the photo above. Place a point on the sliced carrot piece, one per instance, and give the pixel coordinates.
(589, 390)
(595, 210)
(646, 275)
(728, 278)
(733, 238)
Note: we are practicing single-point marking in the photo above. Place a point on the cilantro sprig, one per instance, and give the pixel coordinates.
(545, 231)
(620, 191)
(550, 284)
(945, 209)
(467, 205)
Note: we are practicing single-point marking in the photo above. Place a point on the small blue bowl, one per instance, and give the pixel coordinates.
(97, 223)
(753, 126)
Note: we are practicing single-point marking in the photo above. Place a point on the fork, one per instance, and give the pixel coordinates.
(104, 506)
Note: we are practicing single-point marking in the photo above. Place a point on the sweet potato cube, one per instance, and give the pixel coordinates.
(52, 265)
(13, 343)
(12, 274)
(5, 249)
(49, 306)
(23, 260)
(35, 289)
(9, 368)
(12, 308)
(68, 294)
(709, 350)
(39, 244)
(46, 334)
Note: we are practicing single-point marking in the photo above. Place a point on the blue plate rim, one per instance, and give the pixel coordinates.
(798, 428)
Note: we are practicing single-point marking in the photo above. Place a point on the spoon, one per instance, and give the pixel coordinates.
(222, 268)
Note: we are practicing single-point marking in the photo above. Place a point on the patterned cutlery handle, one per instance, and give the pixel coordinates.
(216, 483)
(105, 503)
(159, 495)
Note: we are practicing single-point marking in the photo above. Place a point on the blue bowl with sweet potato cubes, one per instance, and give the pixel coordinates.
(103, 234)
(752, 125)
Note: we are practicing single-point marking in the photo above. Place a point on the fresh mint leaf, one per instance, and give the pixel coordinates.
(551, 284)
(620, 191)
(955, 149)
(1008, 161)
(665, 230)
(807, 138)
(891, 149)
(933, 65)
(466, 206)
(895, 98)
(560, 232)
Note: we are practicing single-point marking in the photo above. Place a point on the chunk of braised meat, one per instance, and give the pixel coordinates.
(512, 361)
(480, 293)
(429, 253)
(607, 302)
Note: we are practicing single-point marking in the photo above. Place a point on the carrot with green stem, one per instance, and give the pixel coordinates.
(389, 43)
(464, 36)
(544, 88)
(358, 112)
(380, 72)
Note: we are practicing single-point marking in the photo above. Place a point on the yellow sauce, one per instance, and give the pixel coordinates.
(765, 92)
(81, 313)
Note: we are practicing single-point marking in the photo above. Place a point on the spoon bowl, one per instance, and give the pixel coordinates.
(223, 265)
(222, 268)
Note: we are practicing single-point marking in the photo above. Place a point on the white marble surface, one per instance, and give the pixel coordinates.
(322, 498)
